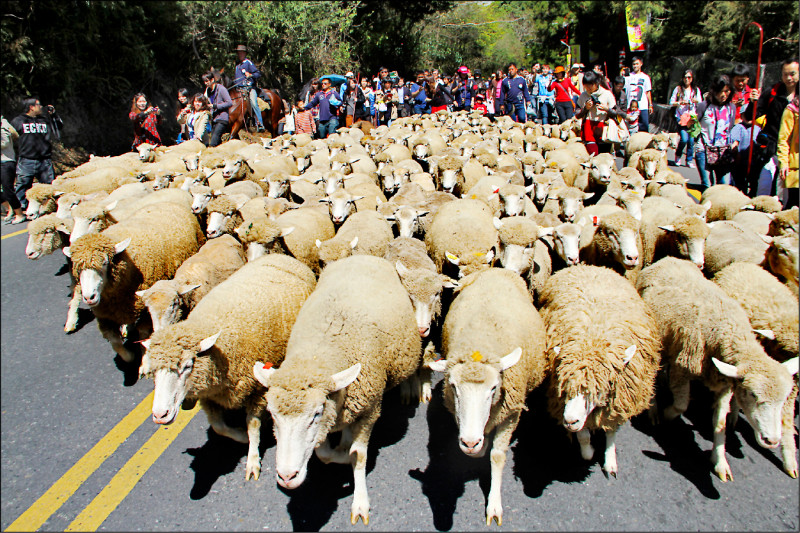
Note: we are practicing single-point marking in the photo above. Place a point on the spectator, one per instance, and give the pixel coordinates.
(684, 99)
(419, 94)
(576, 77)
(546, 97)
(480, 104)
(604, 81)
(632, 117)
(479, 82)
(788, 139)
(363, 110)
(369, 100)
(717, 116)
(303, 119)
(387, 108)
(328, 101)
(493, 100)
(8, 163)
(562, 87)
(742, 93)
(514, 94)
(741, 134)
(771, 105)
(315, 87)
(146, 119)
(353, 100)
(245, 77)
(33, 147)
(620, 110)
(403, 98)
(200, 119)
(220, 101)
(442, 98)
(287, 124)
(593, 105)
(185, 109)
(462, 90)
(638, 88)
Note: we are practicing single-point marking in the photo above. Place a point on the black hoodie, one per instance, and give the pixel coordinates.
(34, 136)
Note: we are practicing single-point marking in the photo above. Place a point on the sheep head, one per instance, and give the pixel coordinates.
(46, 234)
(92, 257)
(688, 234)
(425, 290)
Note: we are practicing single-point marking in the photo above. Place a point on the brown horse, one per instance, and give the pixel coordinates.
(241, 109)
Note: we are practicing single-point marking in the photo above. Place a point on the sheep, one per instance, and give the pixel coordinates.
(616, 244)
(546, 144)
(579, 151)
(363, 300)
(364, 232)
(563, 161)
(41, 200)
(210, 355)
(347, 164)
(643, 140)
(781, 259)
(128, 207)
(407, 220)
(224, 215)
(517, 237)
(628, 200)
(772, 310)
(493, 342)
(728, 242)
(685, 237)
(514, 200)
(532, 164)
(472, 171)
(648, 162)
(462, 233)
(603, 349)
(601, 169)
(725, 200)
(764, 204)
(169, 300)
(706, 334)
(758, 221)
(543, 184)
(566, 202)
(428, 144)
(129, 256)
(630, 178)
(784, 222)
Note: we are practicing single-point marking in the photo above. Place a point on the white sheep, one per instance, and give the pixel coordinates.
(616, 244)
(493, 344)
(603, 348)
(336, 370)
(706, 334)
(685, 237)
(364, 232)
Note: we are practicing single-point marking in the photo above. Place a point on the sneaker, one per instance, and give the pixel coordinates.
(677, 163)
(691, 164)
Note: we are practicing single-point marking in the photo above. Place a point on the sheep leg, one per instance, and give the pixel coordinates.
(214, 414)
(340, 454)
(358, 457)
(733, 417)
(425, 375)
(584, 439)
(788, 447)
(72, 312)
(679, 385)
(409, 388)
(502, 438)
(721, 407)
(610, 463)
(253, 457)
(111, 332)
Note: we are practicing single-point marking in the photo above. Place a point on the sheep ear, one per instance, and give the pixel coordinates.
(422, 213)
(452, 258)
(145, 344)
(449, 283)
(440, 365)
(791, 366)
(318, 243)
(489, 256)
(557, 350)
(511, 359)
(766, 238)
(345, 377)
(356, 198)
(287, 231)
(325, 200)
(354, 243)
(66, 251)
(669, 228)
(630, 351)
(120, 246)
(262, 372)
(141, 294)
(747, 207)
(766, 333)
(208, 342)
(497, 223)
(400, 268)
(63, 228)
(587, 165)
(529, 188)
(188, 288)
(543, 232)
(587, 195)
(112, 205)
(725, 369)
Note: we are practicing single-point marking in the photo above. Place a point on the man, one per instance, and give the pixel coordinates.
(419, 96)
(220, 104)
(478, 81)
(513, 95)
(245, 76)
(546, 97)
(326, 98)
(638, 87)
(462, 90)
(33, 146)
(743, 94)
(404, 98)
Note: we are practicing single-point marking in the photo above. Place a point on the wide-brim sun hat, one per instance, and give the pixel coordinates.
(558, 69)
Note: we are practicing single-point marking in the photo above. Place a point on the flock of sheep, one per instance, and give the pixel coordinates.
(306, 277)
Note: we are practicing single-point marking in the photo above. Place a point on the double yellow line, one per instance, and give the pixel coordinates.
(120, 485)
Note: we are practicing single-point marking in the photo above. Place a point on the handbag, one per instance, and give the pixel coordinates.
(719, 158)
(614, 132)
(684, 121)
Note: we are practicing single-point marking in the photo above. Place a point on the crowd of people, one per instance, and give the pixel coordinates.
(715, 126)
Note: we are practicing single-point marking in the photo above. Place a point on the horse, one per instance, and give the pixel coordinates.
(241, 109)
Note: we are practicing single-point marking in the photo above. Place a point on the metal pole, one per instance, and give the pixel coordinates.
(758, 85)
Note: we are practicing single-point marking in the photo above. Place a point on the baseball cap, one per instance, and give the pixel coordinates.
(348, 75)
(576, 65)
(463, 69)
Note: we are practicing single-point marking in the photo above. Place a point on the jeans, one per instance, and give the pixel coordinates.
(700, 158)
(687, 141)
(421, 109)
(216, 132)
(254, 107)
(564, 111)
(27, 170)
(545, 110)
(517, 112)
(328, 127)
(644, 119)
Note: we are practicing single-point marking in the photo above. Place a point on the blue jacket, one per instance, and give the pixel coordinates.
(220, 103)
(421, 97)
(245, 66)
(542, 82)
(463, 92)
(324, 106)
(514, 91)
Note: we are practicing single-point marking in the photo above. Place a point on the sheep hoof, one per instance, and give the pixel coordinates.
(670, 413)
(723, 471)
(253, 470)
(494, 517)
(354, 516)
(791, 469)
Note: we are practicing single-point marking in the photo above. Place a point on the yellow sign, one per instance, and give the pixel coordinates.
(637, 23)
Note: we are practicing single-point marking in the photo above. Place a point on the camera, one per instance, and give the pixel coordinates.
(595, 99)
(51, 109)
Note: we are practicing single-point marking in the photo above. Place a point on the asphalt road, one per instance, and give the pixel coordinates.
(62, 394)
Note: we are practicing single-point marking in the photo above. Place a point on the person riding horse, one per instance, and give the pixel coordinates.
(245, 76)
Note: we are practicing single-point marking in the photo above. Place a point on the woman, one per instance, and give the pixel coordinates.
(145, 120)
(184, 110)
(684, 99)
(788, 139)
(717, 115)
(353, 100)
(562, 86)
(365, 111)
(594, 104)
(442, 97)
(387, 108)
(200, 122)
(494, 91)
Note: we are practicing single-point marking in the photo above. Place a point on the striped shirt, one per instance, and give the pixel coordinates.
(304, 123)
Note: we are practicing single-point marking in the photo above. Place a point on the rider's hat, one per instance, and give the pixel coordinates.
(240, 48)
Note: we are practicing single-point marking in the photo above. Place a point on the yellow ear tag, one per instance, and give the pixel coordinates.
(476, 356)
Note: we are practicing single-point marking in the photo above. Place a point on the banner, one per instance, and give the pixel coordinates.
(637, 23)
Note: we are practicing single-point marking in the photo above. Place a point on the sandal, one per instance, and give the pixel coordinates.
(18, 221)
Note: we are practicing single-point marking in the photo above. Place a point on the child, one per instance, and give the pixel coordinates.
(632, 118)
(479, 104)
(741, 134)
(303, 120)
(288, 118)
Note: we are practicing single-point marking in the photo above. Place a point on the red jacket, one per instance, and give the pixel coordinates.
(562, 94)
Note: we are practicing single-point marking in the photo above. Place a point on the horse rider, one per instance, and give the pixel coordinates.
(245, 76)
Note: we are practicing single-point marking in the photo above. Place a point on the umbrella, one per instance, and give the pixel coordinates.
(336, 79)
